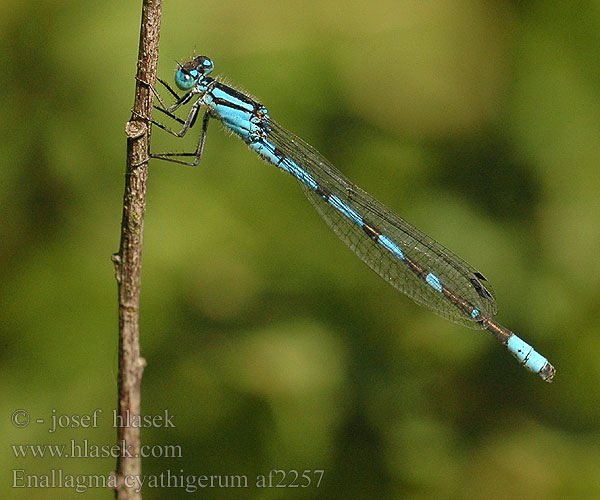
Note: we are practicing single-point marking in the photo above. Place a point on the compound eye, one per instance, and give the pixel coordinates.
(207, 65)
(184, 80)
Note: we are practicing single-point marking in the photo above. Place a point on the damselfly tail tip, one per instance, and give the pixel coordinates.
(547, 372)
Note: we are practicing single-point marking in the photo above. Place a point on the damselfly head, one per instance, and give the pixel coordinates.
(190, 73)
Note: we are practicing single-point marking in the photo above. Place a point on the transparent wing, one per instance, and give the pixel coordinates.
(453, 272)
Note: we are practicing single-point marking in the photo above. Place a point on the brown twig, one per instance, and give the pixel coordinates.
(128, 260)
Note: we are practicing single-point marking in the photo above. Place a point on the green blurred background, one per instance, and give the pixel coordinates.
(272, 345)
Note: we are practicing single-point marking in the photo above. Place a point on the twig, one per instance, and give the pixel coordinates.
(128, 260)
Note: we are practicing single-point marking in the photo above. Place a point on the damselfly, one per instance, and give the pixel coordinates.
(401, 254)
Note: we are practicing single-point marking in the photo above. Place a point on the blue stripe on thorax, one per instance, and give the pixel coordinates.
(236, 114)
(228, 94)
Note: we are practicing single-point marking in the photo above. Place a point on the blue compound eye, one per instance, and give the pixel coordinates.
(207, 64)
(203, 64)
(184, 80)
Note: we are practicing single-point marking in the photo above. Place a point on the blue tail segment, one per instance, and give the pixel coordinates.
(402, 255)
(526, 354)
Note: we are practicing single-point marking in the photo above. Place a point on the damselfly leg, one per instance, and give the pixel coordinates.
(186, 124)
